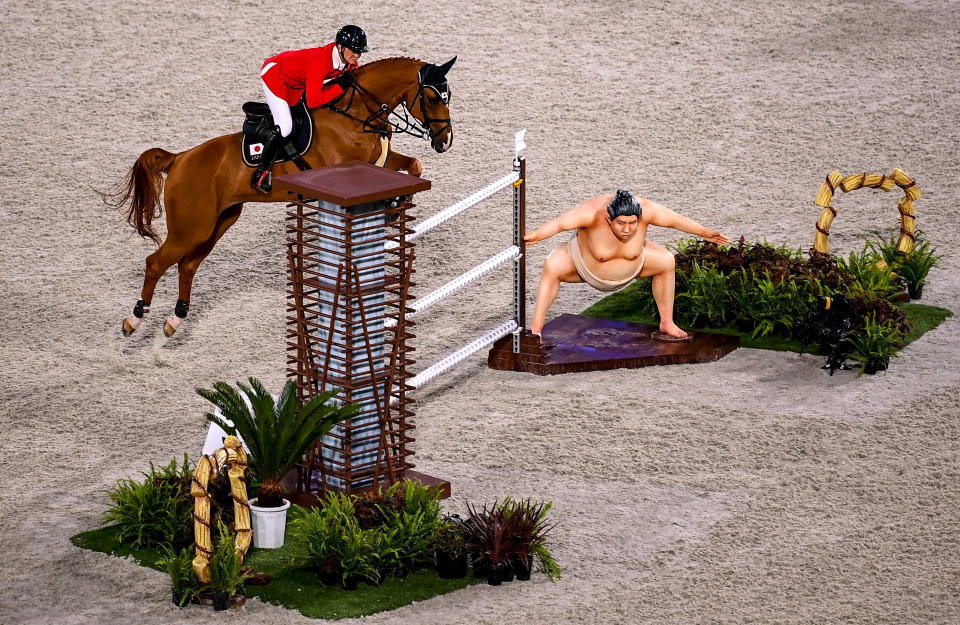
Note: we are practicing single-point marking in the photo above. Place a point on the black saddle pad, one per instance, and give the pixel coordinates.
(259, 123)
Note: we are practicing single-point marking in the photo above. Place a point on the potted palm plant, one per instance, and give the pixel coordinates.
(278, 434)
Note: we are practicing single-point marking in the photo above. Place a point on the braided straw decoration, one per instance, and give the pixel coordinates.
(231, 454)
(835, 180)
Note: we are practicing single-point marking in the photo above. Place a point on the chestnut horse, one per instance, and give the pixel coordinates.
(207, 186)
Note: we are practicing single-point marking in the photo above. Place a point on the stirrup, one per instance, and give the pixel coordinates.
(264, 183)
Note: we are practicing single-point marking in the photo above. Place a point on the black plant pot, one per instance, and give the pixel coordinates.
(401, 571)
(744, 325)
(916, 292)
(177, 597)
(451, 567)
(221, 601)
(506, 572)
(871, 367)
(493, 575)
(351, 582)
(522, 569)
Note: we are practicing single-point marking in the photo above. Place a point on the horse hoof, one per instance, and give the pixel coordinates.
(171, 325)
(130, 325)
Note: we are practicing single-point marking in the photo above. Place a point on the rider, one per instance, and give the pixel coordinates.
(320, 72)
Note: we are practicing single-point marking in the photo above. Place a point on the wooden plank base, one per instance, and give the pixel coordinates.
(573, 344)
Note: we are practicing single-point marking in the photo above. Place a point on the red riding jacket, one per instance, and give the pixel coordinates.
(297, 71)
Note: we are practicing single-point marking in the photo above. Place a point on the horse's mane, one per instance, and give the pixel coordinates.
(373, 64)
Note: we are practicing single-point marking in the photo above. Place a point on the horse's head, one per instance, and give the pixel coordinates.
(431, 104)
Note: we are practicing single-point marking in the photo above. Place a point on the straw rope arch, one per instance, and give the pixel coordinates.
(835, 180)
(233, 455)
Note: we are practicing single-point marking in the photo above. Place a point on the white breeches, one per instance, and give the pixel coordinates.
(278, 106)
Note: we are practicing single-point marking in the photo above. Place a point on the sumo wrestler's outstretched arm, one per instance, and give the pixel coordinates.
(659, 215)
(579, 217)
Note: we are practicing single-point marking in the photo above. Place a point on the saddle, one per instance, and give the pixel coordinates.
(259, 123)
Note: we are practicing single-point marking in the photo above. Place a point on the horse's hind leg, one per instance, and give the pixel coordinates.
(189, 264)
(156, 265)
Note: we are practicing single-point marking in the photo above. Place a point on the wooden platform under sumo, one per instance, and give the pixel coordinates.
(572, 344)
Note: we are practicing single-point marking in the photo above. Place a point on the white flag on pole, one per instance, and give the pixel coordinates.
(521, 145)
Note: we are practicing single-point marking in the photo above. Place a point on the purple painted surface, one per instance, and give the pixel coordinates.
(588, 339)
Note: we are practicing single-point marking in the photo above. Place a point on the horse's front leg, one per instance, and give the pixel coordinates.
(397, 161)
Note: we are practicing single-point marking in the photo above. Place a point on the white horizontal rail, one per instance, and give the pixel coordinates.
(452, 360)
(453, 210)
(461, 281)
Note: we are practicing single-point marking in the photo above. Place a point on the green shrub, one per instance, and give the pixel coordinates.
(155, 511)
(872, 278)
(885, 247)
(358, 553)
(706, 295)
(411, 535)
(876, 342)
(418, 498)
(179, 566)
(226, 564)
(768, 306)
(915, 266)
(408, 514)
(449, 537)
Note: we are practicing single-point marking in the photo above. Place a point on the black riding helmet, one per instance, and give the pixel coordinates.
(353, 37)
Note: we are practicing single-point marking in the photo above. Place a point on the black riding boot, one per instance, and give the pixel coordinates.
(263, 176)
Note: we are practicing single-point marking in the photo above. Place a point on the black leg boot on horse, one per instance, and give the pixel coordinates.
(263, 176)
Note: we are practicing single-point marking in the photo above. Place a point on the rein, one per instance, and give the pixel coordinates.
(380, 121)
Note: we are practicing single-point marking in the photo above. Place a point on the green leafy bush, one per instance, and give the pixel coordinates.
(885, 247)
(915, 266)
(369, 536)
(449, 537)
(226, 564)
(155, 511)
(179, 566)
(706, 295)
(770, 289)
(876, 342)
(872, 277)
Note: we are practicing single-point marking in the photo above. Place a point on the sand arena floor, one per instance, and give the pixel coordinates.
(751, 490)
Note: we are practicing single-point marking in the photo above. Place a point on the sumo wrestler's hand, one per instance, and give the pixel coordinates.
(533, 236)
(714, 236)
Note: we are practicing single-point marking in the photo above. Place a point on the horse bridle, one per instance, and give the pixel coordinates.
(380, 121)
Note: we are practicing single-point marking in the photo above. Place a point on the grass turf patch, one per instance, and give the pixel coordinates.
(621, 306)
(298, 588)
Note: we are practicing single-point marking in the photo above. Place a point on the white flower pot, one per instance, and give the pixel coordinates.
(269, 525)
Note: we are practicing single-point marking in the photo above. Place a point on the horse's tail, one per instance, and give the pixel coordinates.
(141, 188)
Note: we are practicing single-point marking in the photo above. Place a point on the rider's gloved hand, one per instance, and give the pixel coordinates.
(345, 80)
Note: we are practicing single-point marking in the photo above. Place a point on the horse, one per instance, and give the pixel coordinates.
(207, 186)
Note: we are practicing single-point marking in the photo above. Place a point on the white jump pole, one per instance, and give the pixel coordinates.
(515, 253)
(452, 360)
(422, 304)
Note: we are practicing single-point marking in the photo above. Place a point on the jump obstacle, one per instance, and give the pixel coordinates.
(350, 250)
